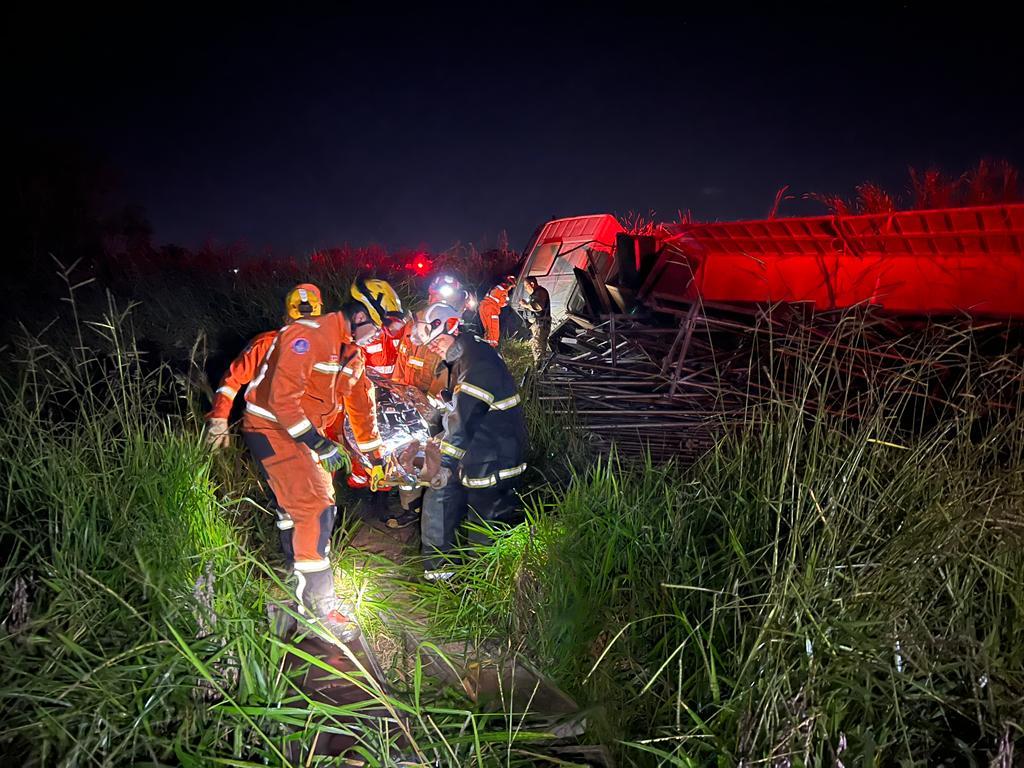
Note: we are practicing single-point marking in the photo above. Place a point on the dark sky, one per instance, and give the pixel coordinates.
(323, 130)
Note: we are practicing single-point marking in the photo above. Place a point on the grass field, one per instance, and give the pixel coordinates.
(812, 592)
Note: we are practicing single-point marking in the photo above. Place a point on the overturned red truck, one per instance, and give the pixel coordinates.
(662, 339)
(947, 262)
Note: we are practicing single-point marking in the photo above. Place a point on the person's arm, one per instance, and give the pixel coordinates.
(470, 404)
(241, 371)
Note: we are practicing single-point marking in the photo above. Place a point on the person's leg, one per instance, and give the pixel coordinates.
(443, 511)
(494, 506)
(305, 490)
(261, 450)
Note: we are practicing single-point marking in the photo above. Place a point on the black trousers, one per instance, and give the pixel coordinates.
(446, 509)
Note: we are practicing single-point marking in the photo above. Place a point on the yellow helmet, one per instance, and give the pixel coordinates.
(303, 301)
(379, 299)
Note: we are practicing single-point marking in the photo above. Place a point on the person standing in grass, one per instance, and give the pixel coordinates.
(312, 373)
(490, 310)
(537, 304)
(483, 446)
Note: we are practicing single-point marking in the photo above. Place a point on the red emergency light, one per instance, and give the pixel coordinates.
(421, 265)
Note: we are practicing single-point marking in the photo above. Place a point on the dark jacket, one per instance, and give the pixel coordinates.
(485, 430)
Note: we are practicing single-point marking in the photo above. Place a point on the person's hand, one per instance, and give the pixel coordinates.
(440, 480)
(330, 455)
(217, 434)
(376, 477)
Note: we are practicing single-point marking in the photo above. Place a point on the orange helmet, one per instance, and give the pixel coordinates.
(303, 301)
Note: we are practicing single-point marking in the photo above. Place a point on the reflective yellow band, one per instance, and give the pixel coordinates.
(372, 445)
(475, 391)
(505, 474)
(416, 362)
(307, 322)
(507, 403)
(489, 480)
(374, 349)
(261, 412)
(450, 450)
(297, 429)
(328, 367)
(382, 368)
(227, 391)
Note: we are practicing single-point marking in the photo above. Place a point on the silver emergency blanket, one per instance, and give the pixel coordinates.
(402, 415)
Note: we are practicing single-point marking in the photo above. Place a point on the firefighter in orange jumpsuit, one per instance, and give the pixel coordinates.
(417, 365)
(378, 325)
(310, 375)
(302, 301)
(490, 309)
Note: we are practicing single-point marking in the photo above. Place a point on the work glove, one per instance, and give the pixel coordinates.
(217, 433)
(376, 477)
(328, 453)
(440, 480)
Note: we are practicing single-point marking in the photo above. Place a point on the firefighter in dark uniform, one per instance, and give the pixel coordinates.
(536, 304)
(483, 447)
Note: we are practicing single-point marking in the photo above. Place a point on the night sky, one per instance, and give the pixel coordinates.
(295, 134)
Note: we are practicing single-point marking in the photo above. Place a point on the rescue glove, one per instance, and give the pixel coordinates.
(216, 433)
(330, 455)
(376, 477)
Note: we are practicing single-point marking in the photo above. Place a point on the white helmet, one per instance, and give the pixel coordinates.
(435, 320)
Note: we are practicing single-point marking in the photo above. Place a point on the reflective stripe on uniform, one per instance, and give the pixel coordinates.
(505, 474)
(227, 391)
(416, 362)
(372, 445)
(312, 566)
(506, 404)
(328, 367)
(285, 525)
(348, 371)
(474, 391)
(489, 480)
(297, 429)
(261, 412)
(374, 349)
(384, 369)
(307, 322)
(450, 450)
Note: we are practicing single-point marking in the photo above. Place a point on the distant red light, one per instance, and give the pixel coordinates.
(421, 266)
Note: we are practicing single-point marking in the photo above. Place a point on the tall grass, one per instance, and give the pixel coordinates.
(134, 594)
(820, 588)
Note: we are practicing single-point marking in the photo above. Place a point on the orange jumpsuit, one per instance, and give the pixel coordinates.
(382, 353)
(241, 371)
(490, 313)
(417, 366)
(309, 378)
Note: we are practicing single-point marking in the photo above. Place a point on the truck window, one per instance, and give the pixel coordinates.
(542, 258)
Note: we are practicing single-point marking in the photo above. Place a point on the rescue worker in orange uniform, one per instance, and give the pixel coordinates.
(378, 323)
(311, 374)
(417, 365)
(302, 301)
(490, 309)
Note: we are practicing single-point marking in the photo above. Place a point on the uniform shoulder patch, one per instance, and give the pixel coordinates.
(300, 346)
